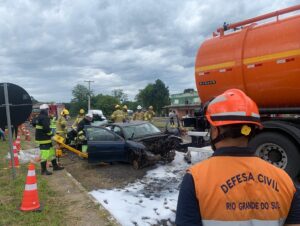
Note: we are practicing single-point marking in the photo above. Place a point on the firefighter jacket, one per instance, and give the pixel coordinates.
(43, 131)
(61, 126)
(118, 116)
(126, 116)
(53, 123)
(84, 122)
(236, 188)
(138, 116)
(77, 121)
(148, 116)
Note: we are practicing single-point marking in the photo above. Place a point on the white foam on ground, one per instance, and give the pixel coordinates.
(152, 198)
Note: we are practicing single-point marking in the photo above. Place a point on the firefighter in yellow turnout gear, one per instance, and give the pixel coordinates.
(43, 136)
(118, 115)
(61, 124)
(79, 117)
(148, 116)
(125, 112)
(138, 115)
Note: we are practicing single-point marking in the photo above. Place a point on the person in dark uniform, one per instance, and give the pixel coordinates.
(43, 136)
(235, 187)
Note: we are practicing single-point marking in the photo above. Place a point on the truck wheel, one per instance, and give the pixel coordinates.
(278, 150)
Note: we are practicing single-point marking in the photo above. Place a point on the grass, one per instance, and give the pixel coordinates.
(11, 193)
(160, 122)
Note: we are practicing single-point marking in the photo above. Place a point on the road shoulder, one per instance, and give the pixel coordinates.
(80, 207)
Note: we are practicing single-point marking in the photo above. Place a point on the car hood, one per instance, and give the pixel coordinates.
(158, 144)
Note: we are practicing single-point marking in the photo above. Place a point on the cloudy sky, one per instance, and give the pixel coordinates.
(48, 47)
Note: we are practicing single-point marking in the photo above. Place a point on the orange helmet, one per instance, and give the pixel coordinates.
(232, 107)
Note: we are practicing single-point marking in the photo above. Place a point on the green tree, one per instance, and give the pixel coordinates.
(80, 98)
(120, 95)
(106, 103)
(80, 93)
(131, 105)
(156, 94)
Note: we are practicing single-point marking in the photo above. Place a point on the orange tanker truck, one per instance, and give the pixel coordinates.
(260, 56)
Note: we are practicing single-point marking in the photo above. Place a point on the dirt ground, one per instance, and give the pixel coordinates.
(106, 176)
(80, 177)
(101, 176)
(81, 210)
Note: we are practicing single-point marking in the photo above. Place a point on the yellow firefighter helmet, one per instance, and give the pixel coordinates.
(65, 112)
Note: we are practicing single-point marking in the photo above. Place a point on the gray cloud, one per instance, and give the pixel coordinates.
(48, 47)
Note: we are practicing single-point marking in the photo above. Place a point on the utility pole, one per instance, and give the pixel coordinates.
(10, 139)
(89, 95)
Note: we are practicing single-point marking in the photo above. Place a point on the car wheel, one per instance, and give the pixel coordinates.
(135, 164)
(169, 157)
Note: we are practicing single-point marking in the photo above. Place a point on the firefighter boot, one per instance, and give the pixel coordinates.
(56, 166)
(44, 170)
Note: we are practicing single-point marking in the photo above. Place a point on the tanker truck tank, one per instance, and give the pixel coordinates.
(263, 60)
(260, 56)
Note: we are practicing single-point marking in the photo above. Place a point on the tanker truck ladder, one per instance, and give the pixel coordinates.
(235, 26)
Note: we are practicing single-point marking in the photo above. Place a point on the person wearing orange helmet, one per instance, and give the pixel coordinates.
(234, 187)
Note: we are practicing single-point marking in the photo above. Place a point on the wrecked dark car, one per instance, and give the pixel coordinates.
(139, 143)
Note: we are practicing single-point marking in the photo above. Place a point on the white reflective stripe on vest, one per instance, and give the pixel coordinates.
(31, 173)
(30, 187)
(279, 222)
(238, 113)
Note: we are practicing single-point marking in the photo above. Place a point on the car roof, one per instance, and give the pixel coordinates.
(130, 123)
(95, 112)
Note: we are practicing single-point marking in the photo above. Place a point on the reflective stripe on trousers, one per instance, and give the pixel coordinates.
(47, 154)
(244, 223)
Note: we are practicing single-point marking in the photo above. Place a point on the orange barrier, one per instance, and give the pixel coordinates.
(30, 200)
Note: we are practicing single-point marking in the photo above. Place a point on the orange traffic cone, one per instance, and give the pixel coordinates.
(27, 135)
(16, 157)
(30, 200)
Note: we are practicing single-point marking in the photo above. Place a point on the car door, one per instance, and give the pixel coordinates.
(118, 130)
(104, 145)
